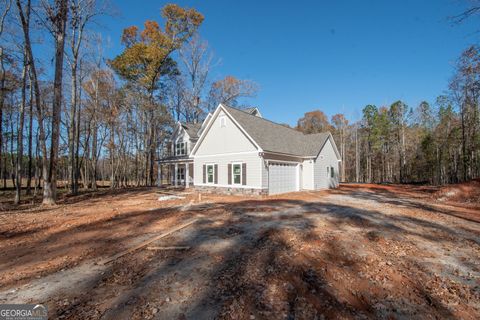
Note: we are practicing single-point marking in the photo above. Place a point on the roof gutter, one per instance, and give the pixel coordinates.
(288, 155)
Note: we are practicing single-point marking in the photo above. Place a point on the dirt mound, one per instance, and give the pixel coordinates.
(467, 192)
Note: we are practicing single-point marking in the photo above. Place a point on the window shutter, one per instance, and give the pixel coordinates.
(229, 173)
(244, 174)
(215, 174)
(204, 174)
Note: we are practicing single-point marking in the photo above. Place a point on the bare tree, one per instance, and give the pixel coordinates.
(57, 17)
(197, 62)
(30, 137)
(341, 124)
(7, 5)
(81, 14)
(472, 10)
(24, 12)
(21, 116)
(229, 90)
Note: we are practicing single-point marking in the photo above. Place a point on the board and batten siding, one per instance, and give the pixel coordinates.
(226, 139)
(223, 145)
(326, 158)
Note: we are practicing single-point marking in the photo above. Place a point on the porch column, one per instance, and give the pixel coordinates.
(187, 180)
(159, 175)
(175, 175)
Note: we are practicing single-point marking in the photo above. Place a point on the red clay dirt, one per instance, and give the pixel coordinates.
(360, 251)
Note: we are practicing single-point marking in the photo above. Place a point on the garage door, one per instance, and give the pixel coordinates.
(282, 177)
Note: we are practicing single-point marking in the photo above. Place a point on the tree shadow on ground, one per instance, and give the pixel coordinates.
(408, 200)
(66, 198)
(263, 273)
(262, 258)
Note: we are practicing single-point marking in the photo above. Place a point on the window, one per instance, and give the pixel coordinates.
(328, 171)
(237, 173)
(332, 172)
(223, 122)
(181, 174)
(180, 149)
(210, 173)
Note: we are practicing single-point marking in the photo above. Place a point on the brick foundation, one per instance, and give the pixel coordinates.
(232, 190)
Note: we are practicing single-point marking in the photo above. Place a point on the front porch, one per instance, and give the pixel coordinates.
(177, 173)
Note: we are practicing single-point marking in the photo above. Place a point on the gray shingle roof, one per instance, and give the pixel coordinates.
(250, 110)
(192, 129)
(274, 137)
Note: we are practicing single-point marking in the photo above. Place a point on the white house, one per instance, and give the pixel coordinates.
(238, 151)
(175, 167)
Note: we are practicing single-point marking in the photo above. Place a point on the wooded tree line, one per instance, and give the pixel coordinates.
(436, 143)
(71, 116)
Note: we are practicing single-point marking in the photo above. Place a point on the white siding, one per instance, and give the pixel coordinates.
(307, 175)
(254, 168)
(222, 140)
(227, 144)
(326, 158)
(181, 136)
(264, 174)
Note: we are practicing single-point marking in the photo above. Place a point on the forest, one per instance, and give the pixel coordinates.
(74, 119)
(80, 119)
(436, 143)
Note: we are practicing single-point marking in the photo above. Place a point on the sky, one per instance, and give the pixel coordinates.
(335, 56)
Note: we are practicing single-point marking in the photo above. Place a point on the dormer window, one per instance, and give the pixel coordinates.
(180, 149)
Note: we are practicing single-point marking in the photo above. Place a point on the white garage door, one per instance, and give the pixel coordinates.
(282, 177)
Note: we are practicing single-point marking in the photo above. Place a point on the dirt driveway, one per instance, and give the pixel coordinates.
(358, 252)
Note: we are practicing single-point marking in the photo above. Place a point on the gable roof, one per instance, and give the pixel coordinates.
(269, 136)
(204, 124)
(277, 138)
(253, 111)
(192, 129)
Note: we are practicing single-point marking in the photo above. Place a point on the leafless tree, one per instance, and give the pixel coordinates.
(56, 16)
(6, 4)
(197, 62)
(229, 90)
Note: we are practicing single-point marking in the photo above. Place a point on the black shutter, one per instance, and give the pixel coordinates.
(229, 173)
(204, 174)
(215, 173)
(244, 174)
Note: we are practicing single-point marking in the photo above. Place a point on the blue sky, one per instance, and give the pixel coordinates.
(336, 56)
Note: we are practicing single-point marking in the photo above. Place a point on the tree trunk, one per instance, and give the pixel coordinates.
(25, 21)
(112, 157)
(357, 158)
(94, 155)
(18, 169)
(72, 134)
(30, 138)
(77, 134)
(2, 99)
(50, 187)
(12, 159)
